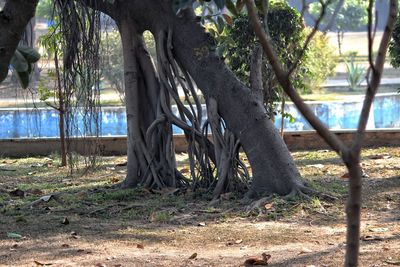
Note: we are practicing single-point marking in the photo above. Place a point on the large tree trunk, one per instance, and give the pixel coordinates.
(151, 160)
(274, 170)
(13, 19)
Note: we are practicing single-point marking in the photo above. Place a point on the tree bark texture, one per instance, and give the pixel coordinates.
(186, 47)
(13, 19)
(273, 167)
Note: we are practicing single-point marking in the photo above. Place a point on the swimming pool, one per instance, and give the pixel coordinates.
(34, 123)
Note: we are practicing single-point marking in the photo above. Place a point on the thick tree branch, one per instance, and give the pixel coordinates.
(351, 157)
(15, 15)
(256, 73)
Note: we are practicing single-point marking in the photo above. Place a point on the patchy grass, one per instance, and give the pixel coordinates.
(137, 227)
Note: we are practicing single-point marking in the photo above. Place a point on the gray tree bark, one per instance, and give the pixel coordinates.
(15, 16)
(274, 170)
(273, 167)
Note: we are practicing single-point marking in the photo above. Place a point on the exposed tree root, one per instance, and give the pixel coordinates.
(151, 157)
(302, 192)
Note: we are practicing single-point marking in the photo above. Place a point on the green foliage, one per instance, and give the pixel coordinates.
(237, 41)
(351, 16)
(355, 73)
(23, 59)
(112, 61)
(394, 46)
(45, 9)
(52, 41)
(319, 62)
(44, 92)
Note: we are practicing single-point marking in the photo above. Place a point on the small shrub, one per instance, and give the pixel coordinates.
(355, 73)
(320, 61)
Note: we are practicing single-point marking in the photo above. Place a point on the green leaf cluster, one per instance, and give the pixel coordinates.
(22, 62)
(287, 32)
(394, 46)
(355, 73)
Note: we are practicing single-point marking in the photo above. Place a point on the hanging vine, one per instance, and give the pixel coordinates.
(80, 29)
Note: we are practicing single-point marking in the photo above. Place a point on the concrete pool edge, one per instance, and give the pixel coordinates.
(116, 145)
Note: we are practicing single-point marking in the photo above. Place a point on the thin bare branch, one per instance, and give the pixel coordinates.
(334, 15)
(284, 79)
(310, 36)
(376, 74)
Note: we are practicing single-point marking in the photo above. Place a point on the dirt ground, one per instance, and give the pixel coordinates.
(90, 224)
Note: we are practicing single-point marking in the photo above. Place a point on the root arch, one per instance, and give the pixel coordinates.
(151, 91)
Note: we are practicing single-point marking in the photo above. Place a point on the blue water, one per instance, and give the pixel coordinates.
(385, 113)
(21, 123)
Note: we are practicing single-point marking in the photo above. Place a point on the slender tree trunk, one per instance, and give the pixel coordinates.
(128, 34)
(283, 117)
(61, 111)
(340, 35)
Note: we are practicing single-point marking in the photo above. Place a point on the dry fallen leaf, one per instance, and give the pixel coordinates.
(38, 263)
(345, 176)
(140, 246)
(381, 156)
(34, 192)
(114, 180)
(371, 238)
(17, 193)
(65, 246)
(258, 261)
(194, 255)
(379, 230)
(393, 262)
(269, 206)
(185, 170)
(305, 250)
(318, 166)
(122, 164)
(65, 221)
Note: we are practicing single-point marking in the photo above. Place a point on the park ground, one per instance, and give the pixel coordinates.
(88, 223)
